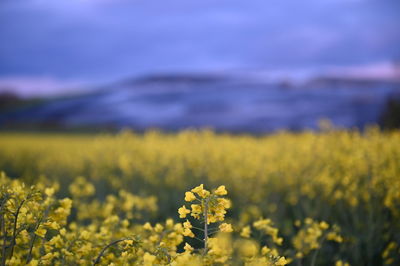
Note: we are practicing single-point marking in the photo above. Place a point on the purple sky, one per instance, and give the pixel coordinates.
(93, 41)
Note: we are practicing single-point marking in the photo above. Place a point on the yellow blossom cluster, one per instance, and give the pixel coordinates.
(211, 206)
(219, 245)
(312, 234)
(36, 230)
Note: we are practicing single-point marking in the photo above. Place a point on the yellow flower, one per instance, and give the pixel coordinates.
(129, 242)
(14, 261)
(262, 223)
(188, 232)
(246, 231)
(199, 190)
(196, 210)
(147, 226)
(66, 203)
(185, 259)
(148, 259)
(341, 263)
(225, 203)
(33, 262)
(247, 248)
(188, 248)
(281, 262)
(221, 191)
(85, 235)
(63, 231)
(220, 247)
(158, 228)
(265, 250)
(187, 225)
(169, 223)
(52, 225)
(278, 240)
(334, 237)
(189, 196)
(50, 256)
(183, 212)
(41, 232)
(323, 225)
(49, 192)
(226, 228)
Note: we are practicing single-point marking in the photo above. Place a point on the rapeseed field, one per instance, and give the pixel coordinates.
(200, 198)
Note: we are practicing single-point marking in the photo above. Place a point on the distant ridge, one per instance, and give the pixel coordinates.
(181, 78)
(221, 102)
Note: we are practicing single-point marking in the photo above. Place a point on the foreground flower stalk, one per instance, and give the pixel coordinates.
(211, 208)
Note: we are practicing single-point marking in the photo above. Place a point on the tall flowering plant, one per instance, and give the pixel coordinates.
(209, 207)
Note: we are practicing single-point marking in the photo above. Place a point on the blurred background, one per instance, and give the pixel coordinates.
(239, 66)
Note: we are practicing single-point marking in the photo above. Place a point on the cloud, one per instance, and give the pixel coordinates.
(92, 39)
(39, 86)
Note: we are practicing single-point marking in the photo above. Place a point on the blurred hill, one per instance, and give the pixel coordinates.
(237, 103)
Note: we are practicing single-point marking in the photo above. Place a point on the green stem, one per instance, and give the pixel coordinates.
(314, 257)
(97, 260)
(29, 256)
(198, 228)
(205, 226)
(13, 241)
(201, 240)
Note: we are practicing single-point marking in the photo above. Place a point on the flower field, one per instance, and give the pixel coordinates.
(200, 198)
